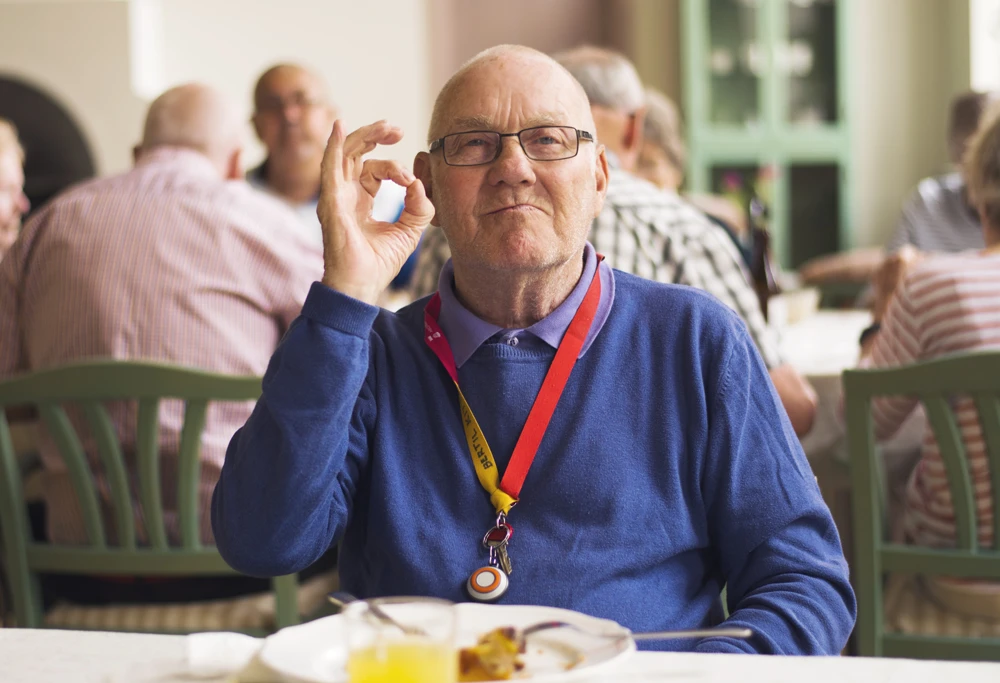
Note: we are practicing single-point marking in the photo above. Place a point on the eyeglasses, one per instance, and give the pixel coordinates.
(276, 105)
(542, 143)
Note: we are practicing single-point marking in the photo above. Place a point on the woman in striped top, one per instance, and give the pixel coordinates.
(941, 306)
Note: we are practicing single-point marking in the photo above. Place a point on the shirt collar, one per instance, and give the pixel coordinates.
(194, 162)
(466, 332)
(257, 177)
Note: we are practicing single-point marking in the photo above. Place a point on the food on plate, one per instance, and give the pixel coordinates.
(496, 657)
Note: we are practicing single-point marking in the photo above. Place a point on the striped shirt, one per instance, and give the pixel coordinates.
(167, 263)
(654, 234)
(938, 218)
(947, 305)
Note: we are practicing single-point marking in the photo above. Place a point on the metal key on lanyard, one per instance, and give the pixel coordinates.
(496, 540)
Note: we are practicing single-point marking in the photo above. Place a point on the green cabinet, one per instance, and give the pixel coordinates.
(765, 99)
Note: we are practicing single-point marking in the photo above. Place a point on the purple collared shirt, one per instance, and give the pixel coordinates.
(466, 332)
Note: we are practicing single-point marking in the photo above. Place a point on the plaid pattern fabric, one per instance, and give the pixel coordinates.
(167, 263)
(656, 235)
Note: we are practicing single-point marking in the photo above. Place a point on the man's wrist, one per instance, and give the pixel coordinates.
(364, 293)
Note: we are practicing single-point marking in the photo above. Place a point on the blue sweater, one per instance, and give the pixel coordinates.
(669, 469)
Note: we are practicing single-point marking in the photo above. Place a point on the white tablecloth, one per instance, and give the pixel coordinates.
(40, 656)
(821, 347)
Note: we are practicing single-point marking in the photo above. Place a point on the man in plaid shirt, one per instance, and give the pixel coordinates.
(649, 232)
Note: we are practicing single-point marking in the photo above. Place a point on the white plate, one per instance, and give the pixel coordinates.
(315, 652)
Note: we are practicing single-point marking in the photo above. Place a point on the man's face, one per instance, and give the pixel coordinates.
(13, 203)
(517, 213)
(293, 118)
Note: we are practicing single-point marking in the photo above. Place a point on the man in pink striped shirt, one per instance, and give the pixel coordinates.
(936, 307)
(177, 260)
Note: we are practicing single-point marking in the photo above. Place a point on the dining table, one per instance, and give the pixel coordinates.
(53, 656)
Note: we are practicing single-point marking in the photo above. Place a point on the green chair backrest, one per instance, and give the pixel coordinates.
(87, 386)
(934, 383)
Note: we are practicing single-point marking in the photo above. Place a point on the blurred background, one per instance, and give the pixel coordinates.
(842, 104)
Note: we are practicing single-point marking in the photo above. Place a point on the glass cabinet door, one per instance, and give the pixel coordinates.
(807, 58)
(814, 212)
(736, 62)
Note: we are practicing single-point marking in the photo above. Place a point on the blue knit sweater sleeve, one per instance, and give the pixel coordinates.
(778, 547)
(290, 472)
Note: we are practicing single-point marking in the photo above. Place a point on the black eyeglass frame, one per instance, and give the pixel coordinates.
(439, 144)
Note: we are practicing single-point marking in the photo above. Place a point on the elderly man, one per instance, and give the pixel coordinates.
(170, 261)
(292, 117)
(13, 202)
(654, 234)
(655, 463)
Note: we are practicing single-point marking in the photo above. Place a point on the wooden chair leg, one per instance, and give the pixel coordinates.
(286, 589)
(15, 532)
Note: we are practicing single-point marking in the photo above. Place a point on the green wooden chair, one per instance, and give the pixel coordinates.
(933, 382)
(87, 386)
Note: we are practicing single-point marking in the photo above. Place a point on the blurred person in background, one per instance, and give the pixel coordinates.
(931, 305)
(172, 262)
(649, 232)
(937, 217)
(662, 161)
(13, 202)
(293, 116)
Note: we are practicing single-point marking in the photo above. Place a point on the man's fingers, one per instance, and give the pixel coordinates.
(332, 167)
(364, 139)
(417, 208)
(375, 171)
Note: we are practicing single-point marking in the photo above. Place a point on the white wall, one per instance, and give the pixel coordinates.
(910, 58)
(373, 54)
(78, 53)
(984, 26)
(374, 57)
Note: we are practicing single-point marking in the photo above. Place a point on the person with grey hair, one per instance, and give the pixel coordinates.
(617, 98)
(172, 262)
(649, 232)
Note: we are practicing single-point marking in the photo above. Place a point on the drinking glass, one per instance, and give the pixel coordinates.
(401, 640)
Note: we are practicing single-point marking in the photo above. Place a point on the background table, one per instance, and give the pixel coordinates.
(821, 347)
(39, 656)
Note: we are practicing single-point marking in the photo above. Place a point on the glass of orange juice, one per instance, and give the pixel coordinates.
(401, 640)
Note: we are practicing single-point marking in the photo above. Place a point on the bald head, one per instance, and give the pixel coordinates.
(511, 58)
(278, 77)
(293, 117)
(197, 117)
(529, 208)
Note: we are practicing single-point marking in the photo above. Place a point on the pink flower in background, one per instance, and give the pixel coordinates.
(732, 181)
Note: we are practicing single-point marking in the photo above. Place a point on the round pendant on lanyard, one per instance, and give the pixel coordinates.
(488, 584)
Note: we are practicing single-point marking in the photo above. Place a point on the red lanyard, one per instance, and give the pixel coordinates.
(506, 494)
